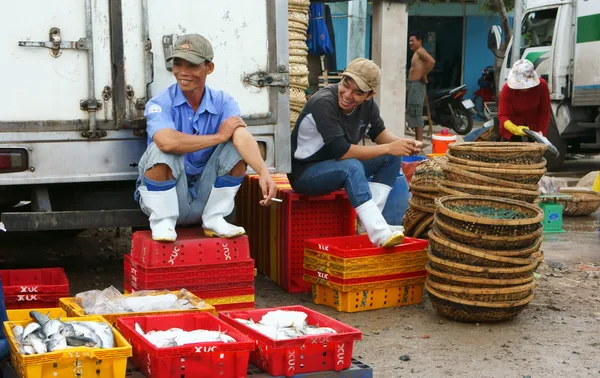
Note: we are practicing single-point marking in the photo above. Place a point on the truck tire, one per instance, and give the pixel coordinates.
(555, 162)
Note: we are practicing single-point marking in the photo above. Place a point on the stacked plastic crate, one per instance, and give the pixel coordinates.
(219, 271)
(34, 288)
(351, 275)
(277, 232)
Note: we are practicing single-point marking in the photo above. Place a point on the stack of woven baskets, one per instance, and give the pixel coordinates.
(424, 187)
(297, 31)
(499, 169)
(482, 255)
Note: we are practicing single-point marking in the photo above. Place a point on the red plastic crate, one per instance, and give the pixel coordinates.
(216, 359)
(277, 233)
(132, 287)
(361, 246)
(185, 277)
(306, 354)
(33, 300)
(34, 281)
(224, 293)
(191, 248)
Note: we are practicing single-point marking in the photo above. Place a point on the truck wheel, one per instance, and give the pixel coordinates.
(555, 162)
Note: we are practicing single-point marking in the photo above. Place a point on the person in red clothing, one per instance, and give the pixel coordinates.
(524, 103)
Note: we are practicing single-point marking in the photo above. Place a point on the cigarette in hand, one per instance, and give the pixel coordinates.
(276, 200)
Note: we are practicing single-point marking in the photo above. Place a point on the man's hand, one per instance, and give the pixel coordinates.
(405, 147)
(228, 127)
(268, 187)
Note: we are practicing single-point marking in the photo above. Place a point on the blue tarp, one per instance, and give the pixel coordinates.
(318, 41)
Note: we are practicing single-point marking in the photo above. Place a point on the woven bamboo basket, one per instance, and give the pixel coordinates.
(500, 152)
(412, 219)
(456, 188)
(466, 281)
(429, 172)
(475, 163)
(451, 267)
(491, 242)
(422, 204)
(475, 311)
(422, 229)
(539, 257)
(463, 254)
(583, 201)
(456, 174)
(423, 189)
(521, 176)
(490, 215)
(427, 195)
(485, 294)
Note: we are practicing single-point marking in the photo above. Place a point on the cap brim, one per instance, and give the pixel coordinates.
(192, 58)
(360, 82)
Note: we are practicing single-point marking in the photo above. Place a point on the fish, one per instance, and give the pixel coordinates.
(30, 328)
(104, 332)
(82, 330)
(56, 342)
(38, 317)
(178, 337)
(36, 341)
(18, 332)
(284, 325)
(28, 349)
(81, 341)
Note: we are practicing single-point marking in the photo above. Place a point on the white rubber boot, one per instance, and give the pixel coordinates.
(380, 194)
(378, 230)
(219, 205)
(163, 208)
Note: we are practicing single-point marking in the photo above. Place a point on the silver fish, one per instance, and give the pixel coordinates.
(81, 341)
(28, 349)
(51, 327)
(30, 328)
(18, 332)
(82, 330)
(35, 340)
(56, 342)
(40, 318)
(67, 329)
(104, 331)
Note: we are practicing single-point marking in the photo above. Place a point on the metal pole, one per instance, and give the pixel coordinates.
(517, 23)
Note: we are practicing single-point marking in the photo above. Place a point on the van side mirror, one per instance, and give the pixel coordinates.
(494, 37)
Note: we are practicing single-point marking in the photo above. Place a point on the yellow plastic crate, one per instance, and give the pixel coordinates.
(230, 300)
(71, 362)
(364, 270)
(368, 262)
(365, 286)
(15, 315)
(414, 266)
(74, 309)
(364, 300)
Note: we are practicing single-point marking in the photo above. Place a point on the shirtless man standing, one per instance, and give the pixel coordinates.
(421, 65)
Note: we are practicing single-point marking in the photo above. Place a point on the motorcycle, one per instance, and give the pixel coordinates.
(450, 109)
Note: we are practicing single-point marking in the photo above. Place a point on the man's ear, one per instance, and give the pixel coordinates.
(371, 95)
(210, 67)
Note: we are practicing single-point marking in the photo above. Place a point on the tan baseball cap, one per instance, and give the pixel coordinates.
(194, 48)
(365, 73)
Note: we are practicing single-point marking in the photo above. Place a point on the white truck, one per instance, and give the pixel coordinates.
(76, 76)
(562, 39)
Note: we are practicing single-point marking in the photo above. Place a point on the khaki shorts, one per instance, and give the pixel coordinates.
(414, 103)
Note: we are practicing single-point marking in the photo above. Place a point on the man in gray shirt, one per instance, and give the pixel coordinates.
(326, 155)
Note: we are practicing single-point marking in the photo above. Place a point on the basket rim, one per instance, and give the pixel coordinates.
(416, 193)
(441, 207)
(424, 209)
(491, 180)
(503, 304)
(480, 269)
(520, 171)
(495, 146)
(490, 188)
(477, 280)
(427, 189)
(423, 226)
(475, 163)
(481, 290)
(533, 235)
(433, 235)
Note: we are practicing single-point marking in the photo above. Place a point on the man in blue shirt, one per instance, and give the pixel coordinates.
(198, 148)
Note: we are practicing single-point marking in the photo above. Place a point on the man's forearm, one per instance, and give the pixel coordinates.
(175, 142)
(247, 147)
(365, 152)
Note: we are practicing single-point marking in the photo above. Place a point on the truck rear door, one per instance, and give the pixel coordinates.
(586, 73)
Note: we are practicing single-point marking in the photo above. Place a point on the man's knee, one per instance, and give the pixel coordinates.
(159, 172)
(239, 169)
(353, 166)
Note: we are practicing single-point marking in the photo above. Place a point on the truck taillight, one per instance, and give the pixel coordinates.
(13, 160)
